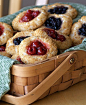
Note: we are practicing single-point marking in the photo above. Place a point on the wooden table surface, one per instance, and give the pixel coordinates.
(75, 95)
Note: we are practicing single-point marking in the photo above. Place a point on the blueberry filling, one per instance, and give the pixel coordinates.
(53, 23)
(58, 10)
(18, 40)
(82, 30)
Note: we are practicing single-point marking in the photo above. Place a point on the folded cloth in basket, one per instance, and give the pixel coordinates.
(81, 46)
(5, 65)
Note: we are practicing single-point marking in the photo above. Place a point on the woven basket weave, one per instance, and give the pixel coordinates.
(33, 82)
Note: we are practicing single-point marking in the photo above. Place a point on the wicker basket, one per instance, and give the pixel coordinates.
(33, 82)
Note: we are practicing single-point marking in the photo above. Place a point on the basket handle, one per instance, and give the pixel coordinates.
(45, 84)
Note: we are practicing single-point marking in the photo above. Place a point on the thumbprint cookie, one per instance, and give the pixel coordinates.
(17, 57)
(30, 19)
(58, 8)
(35, 49)
(12, 46)
(63, 41)
(6, 32)
(3, 52)
(60, 23)
(78, 31)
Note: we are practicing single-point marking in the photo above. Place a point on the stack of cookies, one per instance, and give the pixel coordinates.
(41, 33)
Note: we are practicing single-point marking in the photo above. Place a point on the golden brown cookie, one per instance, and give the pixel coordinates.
(58, 8)
(36, 49)
(3, 52)
(60, 23)
(30, 19)
(63, 41)
(17, 57)
(6, 32)
(12, 46)
(78, 31)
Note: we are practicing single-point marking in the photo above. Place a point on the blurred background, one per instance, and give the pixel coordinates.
(25, 3)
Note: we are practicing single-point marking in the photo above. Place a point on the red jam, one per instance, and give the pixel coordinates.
(2, 48)
(36, 48)
(1, 29)
(19, 59)
(52, 33)
(29, 15)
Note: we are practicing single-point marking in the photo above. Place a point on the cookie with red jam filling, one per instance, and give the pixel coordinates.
(58, 8)
(36, 49)
(63, 41)
(3, 52)
(6, 32)
(17, 57)
(12, 46)
(30, 19)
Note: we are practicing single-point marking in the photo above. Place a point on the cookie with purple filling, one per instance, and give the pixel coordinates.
(60, 23)
(58, 8)
(78, 31)
(12, 46)
(63, 41)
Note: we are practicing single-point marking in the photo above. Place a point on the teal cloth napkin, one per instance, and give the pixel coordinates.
(81, 46)
(6, 63)
(5, 78)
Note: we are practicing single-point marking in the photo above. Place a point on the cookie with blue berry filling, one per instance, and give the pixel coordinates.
(58, 8)
(12, 46)
(60, 23)
(78, 31)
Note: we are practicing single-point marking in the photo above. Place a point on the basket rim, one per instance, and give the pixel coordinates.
(48, 65)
